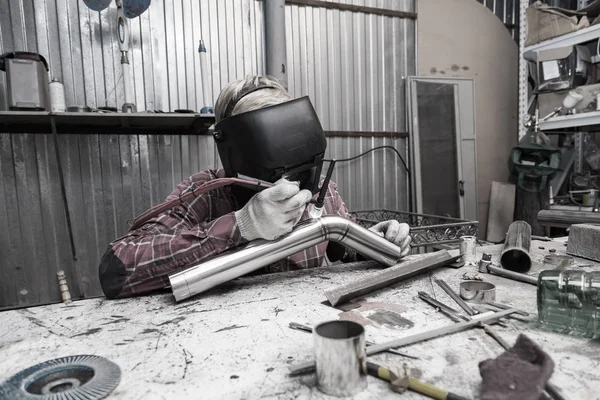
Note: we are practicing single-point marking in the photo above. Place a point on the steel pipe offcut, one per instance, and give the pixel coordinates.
(259, 253)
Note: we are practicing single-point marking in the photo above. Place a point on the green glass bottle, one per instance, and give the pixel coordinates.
(569, 302)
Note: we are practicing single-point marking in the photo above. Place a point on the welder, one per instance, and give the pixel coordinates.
(261, 133)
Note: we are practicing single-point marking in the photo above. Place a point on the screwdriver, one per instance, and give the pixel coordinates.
(413, 384)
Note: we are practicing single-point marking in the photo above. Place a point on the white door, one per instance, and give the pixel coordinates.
(442, 134)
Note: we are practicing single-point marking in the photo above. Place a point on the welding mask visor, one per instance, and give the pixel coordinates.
(281, 141)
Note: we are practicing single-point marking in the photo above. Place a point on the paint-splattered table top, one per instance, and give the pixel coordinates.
(234, 342)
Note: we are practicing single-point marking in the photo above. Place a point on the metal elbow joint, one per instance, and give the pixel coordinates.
(259, 253)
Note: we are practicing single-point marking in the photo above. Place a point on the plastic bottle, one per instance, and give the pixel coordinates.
(57, 96)
(569, 302)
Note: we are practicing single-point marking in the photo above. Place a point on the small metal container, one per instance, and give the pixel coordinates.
(340, 358)
(467, 249)
(477, 291)
(485, 261)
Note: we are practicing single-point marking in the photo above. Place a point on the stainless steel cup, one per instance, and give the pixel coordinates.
(467, 249)
(340, 357)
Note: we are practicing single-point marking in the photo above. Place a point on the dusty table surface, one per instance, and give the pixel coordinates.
(234, 341)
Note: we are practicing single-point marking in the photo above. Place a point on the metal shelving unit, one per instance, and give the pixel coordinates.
(581, 36)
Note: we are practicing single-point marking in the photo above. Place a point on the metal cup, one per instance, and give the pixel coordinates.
(477, 292)
(467, 249)
(340, 357)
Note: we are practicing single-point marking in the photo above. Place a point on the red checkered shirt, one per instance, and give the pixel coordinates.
(196, 230)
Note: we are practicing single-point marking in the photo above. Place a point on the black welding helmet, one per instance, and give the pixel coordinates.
(281, 141)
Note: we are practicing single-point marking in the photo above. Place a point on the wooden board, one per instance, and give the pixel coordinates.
(501, 211)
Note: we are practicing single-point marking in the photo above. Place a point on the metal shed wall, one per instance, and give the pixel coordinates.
(507, 11)
(109, 178)
(353, 66)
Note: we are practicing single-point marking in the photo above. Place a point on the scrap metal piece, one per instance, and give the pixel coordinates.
(309, 366)
(82, 377)
(477, 292)
(455, 297)
(515, 253)
(471, 277)
(558, 260)
(389, 276)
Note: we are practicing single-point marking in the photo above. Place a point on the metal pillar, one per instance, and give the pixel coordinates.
(275, 47)
(523, 68)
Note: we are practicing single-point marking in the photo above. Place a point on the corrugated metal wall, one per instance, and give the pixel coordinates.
(353, 66)
(507, 11)
(82, 49)
(110, 178)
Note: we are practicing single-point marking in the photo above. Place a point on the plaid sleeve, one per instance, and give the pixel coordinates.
(141, 261)
(335, 205)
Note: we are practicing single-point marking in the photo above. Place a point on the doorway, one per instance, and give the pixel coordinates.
(442, 138)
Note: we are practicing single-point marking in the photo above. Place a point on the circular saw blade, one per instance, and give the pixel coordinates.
(81, 377)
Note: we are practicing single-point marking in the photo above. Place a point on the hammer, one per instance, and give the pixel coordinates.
(486, 267)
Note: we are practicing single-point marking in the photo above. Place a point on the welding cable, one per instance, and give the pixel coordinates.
(413, 384)
(371, 150)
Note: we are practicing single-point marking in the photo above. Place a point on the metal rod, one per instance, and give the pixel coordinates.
(340, 294)
(515, 253)
(444, 309)
(309, 366)
(428, 299)
(275, 45)
(63, 190)
(506, 307)
(513, 275)
(564, 218)
(309, 329)
(492, 332)
(259, 253)
(455, 297)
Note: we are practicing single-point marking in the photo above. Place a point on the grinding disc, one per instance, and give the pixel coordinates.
(82, 377)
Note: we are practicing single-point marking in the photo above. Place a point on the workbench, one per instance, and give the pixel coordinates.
(234, 342)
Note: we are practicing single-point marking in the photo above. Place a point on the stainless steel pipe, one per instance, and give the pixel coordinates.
(260, 253)
(515, 253)
(564, 218)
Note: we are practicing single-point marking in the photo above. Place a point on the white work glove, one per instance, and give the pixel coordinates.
(395, 232)
(273, 212)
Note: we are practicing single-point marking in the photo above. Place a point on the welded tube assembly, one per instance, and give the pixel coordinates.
(259, 253)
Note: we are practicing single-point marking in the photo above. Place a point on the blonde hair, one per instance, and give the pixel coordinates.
(272, 94)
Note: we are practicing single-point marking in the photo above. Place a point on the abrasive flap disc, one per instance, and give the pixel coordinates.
(82, 377)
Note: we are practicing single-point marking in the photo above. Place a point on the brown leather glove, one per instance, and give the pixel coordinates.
(520, 373)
